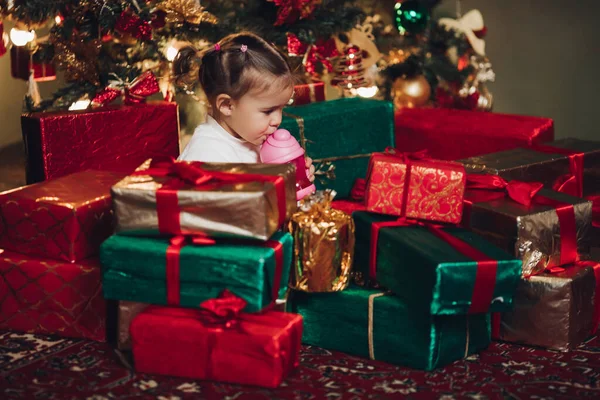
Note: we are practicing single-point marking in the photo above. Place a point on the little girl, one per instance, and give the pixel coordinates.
(247, 83)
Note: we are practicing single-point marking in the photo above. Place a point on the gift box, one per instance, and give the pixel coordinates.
(22, 65)
(52, 297)
(64, 219)
(217, 342)
(114, 138)
(223, 200)
(181, 271)
(544, 229)
(323, 245)
(340, 136)
(372, 324)
(570, 166)
(412, 186)
(127, 311)
(309, 92)
(444, 270)
(557, 310)
(455, 134)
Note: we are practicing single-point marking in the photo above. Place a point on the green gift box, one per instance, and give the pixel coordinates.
(155, 271)
(370, 323)
(340, 136)
(447, 270)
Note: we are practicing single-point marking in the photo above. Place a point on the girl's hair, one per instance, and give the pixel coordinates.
(233, 66)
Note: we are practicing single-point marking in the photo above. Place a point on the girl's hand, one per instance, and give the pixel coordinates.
(311, 169)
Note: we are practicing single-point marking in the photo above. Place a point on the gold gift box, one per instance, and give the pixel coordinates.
(553, 310)
(532, 233)
(534, 166)
(126, 313)
(247, 209)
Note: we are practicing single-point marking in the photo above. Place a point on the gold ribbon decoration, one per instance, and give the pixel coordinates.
(372, 298)
(468, 339)
(180, 11)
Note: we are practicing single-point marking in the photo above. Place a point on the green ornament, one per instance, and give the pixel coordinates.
(411, 16)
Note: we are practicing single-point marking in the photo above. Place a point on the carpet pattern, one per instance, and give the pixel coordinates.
(43, 367)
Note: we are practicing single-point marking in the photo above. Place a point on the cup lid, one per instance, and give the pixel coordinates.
(279, 146)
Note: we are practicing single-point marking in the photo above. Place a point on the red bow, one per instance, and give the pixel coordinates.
(322, 51)
(521, 192)
(134, 93)
(571, 183)
(223, 311)
(133, 25)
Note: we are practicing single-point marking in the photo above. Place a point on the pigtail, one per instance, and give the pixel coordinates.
(186, 67)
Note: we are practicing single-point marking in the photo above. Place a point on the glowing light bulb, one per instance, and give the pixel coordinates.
(58, 20)
(171, 53)
(21, 38)
(367, 92)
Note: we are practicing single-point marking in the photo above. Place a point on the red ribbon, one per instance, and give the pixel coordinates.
(485, 278)
(595, 199)
(483, 188)
(134, 93)
(172, 275)
(133, 25)
(192, 173)
(223, 311)
(322, 51)
(571, 184)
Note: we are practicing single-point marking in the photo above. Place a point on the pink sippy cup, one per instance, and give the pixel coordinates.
(281, 147)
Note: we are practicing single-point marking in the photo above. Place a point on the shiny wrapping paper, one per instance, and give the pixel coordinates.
(434, 189)
(530, 165)
(428, 273)
(340, 136)
(127, 311)
(114, 138)
(370, 324)
(261, 349)
(553, 310)
(247, 209)
(307, 93)
(323, 246)
(455, 134)
(135, 269)
(64, 219)
(52, 297)
(532, 233)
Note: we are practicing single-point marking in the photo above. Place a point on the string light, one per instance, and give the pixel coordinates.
(80, 105)
(20, 37)
(171, 53)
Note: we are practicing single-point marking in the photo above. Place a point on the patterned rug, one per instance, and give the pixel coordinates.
(42, 367)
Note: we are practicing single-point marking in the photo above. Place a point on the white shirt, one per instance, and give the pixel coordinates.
(212, 143)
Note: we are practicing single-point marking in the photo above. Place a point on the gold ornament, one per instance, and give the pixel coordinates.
(180, 11)
(78, 58)
(411, 92)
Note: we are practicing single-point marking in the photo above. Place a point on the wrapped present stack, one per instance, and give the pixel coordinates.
(199, 253)
(51, 234)
(425, 289)
(538, 203)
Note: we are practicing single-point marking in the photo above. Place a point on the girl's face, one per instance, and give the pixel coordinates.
(257, 114)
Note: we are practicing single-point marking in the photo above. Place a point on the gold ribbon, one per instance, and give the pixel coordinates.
(467, 340)
(370, 330)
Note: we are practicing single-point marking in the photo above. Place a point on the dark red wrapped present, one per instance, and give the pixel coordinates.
(52, 297)
(64, 219)
(217, 342)
(113, 138)
(455, 134)
(22, 64)
(311, 92)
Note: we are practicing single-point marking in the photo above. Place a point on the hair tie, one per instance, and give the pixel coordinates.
(243, 48)
(217, 47)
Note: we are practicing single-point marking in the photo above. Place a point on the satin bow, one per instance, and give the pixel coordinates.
(133, 25)
(322, 51)
(521, 192)
(471, 24)
(224, 311)
(134, 93)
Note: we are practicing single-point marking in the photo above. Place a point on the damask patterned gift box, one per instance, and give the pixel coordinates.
(64, 219)
(376, 325)
(52, 297)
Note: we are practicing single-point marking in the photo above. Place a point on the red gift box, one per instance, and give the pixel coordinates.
(217, 342)
(21, 65)
(52, 297)
(456, 134)
(409, 185)
(309, 93)
(65, 219)
(113, 138)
